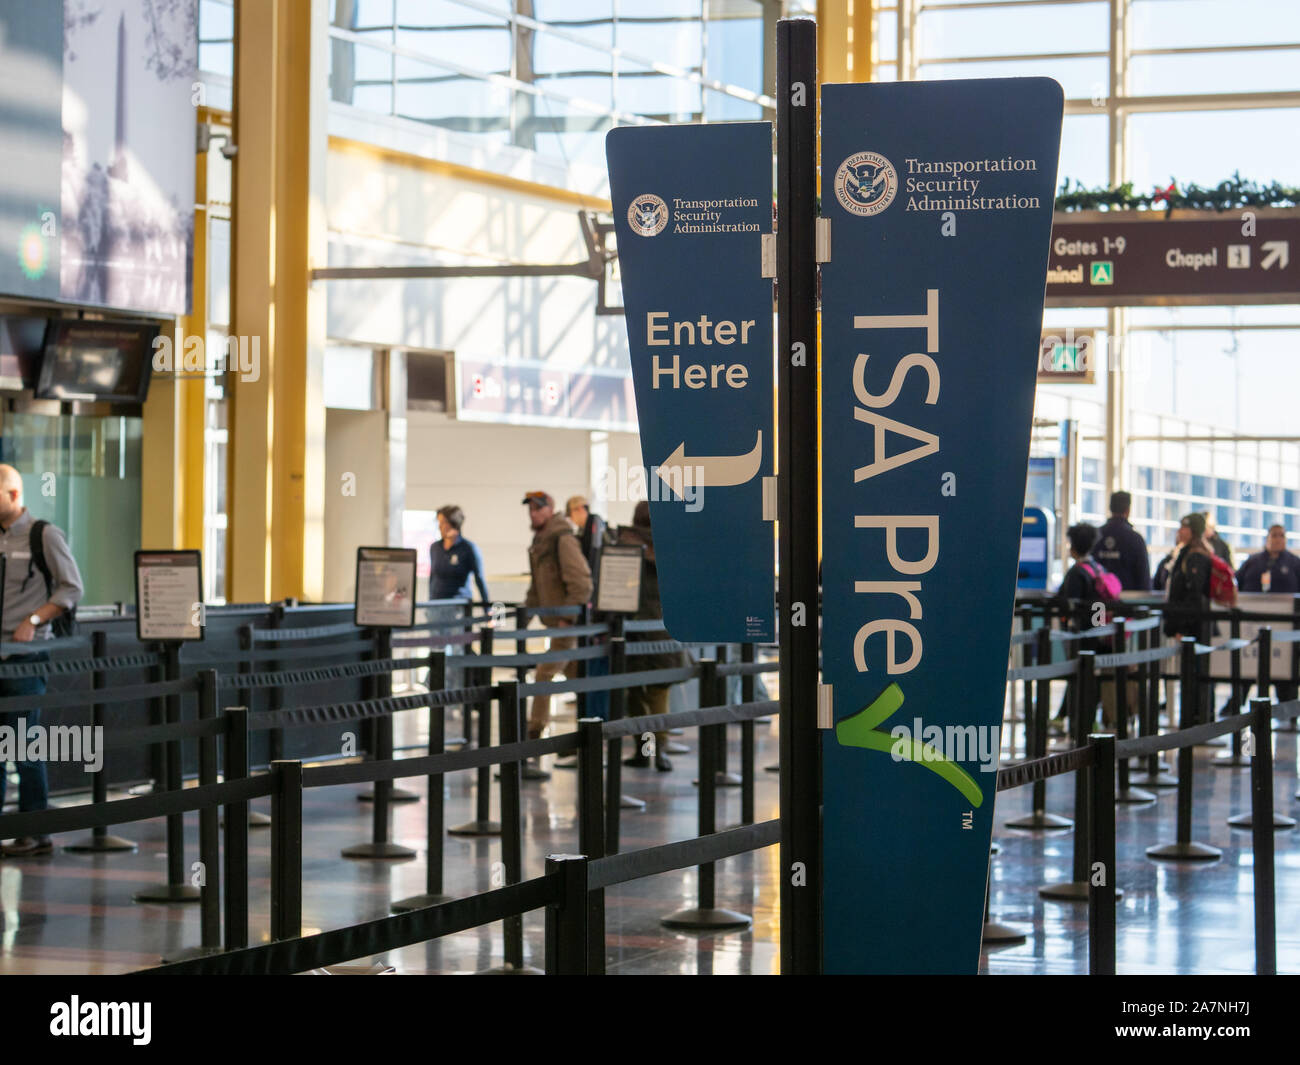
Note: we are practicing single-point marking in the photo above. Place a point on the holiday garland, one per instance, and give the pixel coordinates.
(1232, 194)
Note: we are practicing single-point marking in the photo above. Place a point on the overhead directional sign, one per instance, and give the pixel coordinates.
(939, 196)
(691, 205)
(1142, 257)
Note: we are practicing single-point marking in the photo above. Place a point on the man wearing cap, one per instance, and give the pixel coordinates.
(560, 577)
(1121, 549)
(591, 528)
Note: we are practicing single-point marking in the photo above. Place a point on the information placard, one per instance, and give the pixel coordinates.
(385, 596)
(620, 579)
(168, 595)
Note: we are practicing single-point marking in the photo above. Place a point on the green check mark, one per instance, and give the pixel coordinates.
(861, 730)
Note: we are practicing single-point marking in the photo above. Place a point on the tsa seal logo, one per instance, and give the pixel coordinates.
(647, 215)
(865, 183)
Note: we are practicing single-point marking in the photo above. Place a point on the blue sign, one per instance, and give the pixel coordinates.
(691, 204)
(1035, 549)
(939, 196)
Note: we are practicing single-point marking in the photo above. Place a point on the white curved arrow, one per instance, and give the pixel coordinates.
(718, 471)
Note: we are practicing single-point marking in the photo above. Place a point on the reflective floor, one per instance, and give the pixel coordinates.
(74, 913)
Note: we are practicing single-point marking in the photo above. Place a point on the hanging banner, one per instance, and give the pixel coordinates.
(691, 204)
(939, 196)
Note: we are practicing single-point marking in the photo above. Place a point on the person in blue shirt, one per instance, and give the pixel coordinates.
(1275, 569)
(454, 561)
(1121, 549)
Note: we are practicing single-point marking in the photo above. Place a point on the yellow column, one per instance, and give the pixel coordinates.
(843, 41)
(275, 544)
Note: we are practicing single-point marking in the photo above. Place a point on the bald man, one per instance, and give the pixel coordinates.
(32, 599)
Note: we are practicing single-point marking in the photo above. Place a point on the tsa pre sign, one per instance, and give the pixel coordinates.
(691, 205)
(939, 196)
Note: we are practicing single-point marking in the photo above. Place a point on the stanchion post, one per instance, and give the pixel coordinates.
(567, 949)
(480, 676)
(1263, 678)
(591, 832)
(511, 820)
(797, 502)
(614, 749)
(1261, 812)
(1101, 876)
(209, 830)
(1126, 793)
(383, 740)
(286, 850)
(236, 830)
(1189, 712)
(99, 841)
(747, 739)
(275, 696)
(433, 879)
(1083, 697)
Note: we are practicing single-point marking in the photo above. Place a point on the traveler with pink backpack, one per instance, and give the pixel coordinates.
(1090, 596)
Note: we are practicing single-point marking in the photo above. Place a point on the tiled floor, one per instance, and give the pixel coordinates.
(74, 914)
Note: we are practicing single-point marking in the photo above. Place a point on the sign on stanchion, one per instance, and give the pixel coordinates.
(384, 600)
(620, 579)
(168, 596)
(385, 588)
(691, 207)
(169, 610)
(938, 198)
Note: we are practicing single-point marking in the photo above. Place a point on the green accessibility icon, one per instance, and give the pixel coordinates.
(861, 730)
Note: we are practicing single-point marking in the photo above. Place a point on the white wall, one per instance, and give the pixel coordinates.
(355, 443)
(486, 469)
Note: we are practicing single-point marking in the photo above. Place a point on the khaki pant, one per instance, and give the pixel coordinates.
(539, 715)
(1109, 702)
(645, 702)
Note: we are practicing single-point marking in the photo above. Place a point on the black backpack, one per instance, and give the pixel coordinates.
(1189, 583)
(66, 623)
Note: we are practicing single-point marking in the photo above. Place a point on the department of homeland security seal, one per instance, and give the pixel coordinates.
(865, 183)
(647, 215)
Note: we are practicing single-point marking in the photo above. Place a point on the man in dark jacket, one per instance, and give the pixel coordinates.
(1275, 570)
(652, 699)
(1121, 549)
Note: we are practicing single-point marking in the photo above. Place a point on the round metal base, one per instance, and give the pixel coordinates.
(418, 902)
(506, 969)
(1185, 852)
(396, 795)
(1231, 761)
(677, 732)
(1280, 822)
(477, 828)
(455, 741)
(627, 802)
(771, 769)
(1041, 820)
(672, 747)
(723, 780)
(100, 845)
(532, 772)
(1160, 780)
(698, 920)
(995, 848)
(168, 893)
(1131, 796)
(378, 851)
(1000, 933)
(1070, 891)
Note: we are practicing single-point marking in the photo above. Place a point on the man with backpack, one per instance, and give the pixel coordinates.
(1090, 597)
(42, 586)
(560, 577)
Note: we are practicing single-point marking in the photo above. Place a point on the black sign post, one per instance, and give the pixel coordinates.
(797, 502)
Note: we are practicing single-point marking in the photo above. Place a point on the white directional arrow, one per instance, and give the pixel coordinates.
(718, 471)
(1279, 251)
